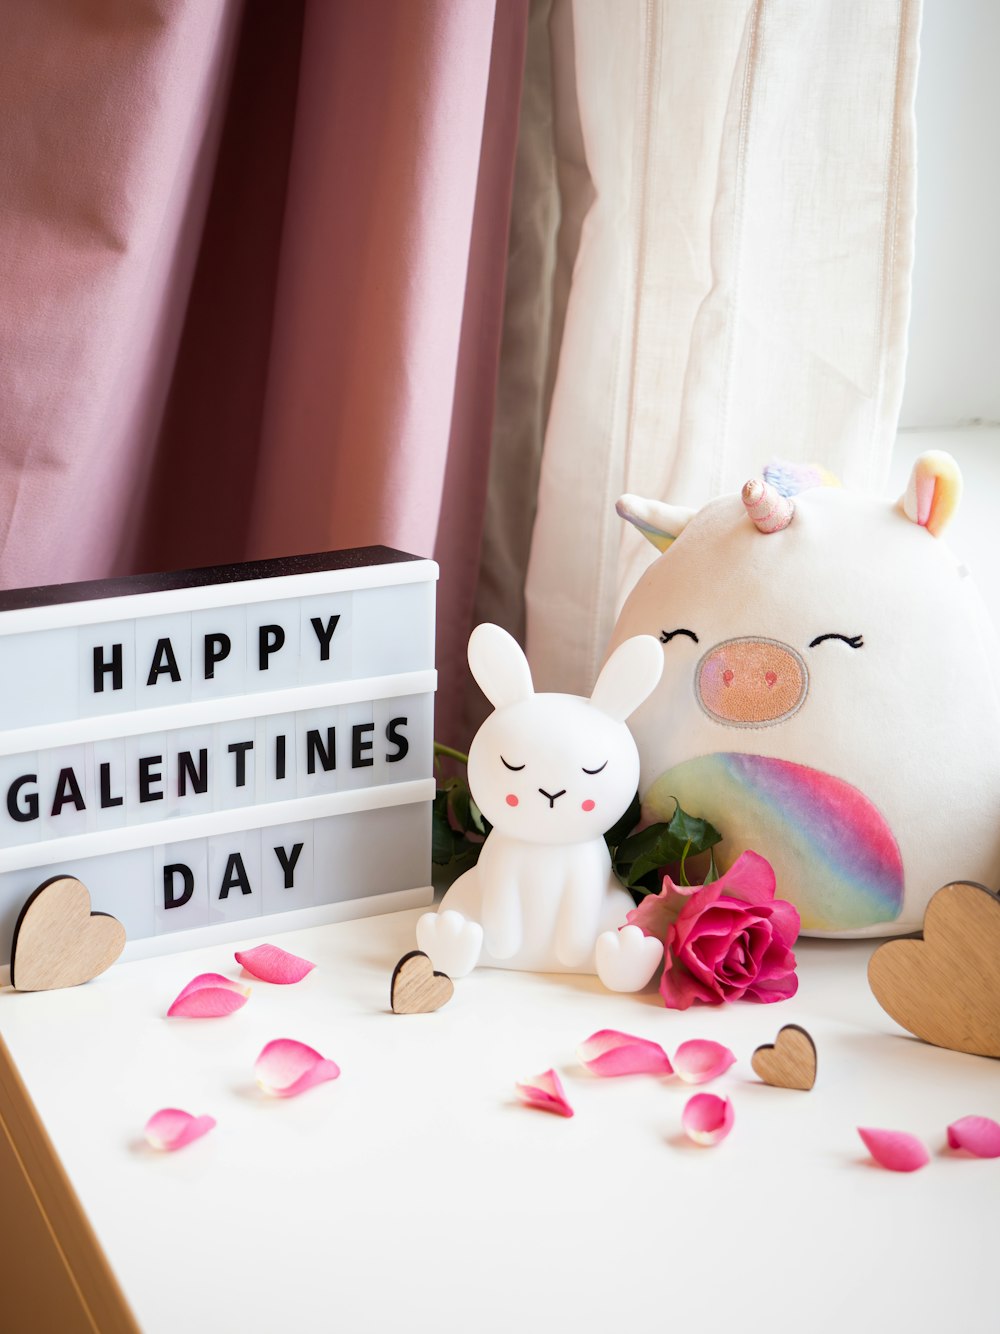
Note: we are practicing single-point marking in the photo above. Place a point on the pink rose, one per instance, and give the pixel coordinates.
(730, 940)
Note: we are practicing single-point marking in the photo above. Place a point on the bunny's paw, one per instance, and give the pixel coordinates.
(451, 941)
(627, 959)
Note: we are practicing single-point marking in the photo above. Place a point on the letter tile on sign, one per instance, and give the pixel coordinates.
(162, 660)
(20, 810)
(192, 760)
(320, 743)
(122, 877)
(393, 631)
(286, 867)
(105, 783)
(145, 778)
(279, 761)
(373, 849)
(62, 777)
(326, 637)
(235, 756)
(243, 742)
(106, 674)
(234, 883)
(180, 878)
(34, 684)
(404, 727)
(363, 755)
(218, 652)
(273, 645)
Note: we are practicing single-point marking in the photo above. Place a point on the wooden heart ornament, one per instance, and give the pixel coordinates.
(416, 988)
(945, 988)
(59, 942)
(788, 1063)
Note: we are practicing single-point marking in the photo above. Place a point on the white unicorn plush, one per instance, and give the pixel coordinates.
(551, 773)
(830, 694)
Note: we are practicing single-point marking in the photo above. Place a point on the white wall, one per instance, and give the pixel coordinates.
(953, 371)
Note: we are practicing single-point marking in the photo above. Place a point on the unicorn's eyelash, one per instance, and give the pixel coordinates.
(855, 641)
(515, 768)
(667, 635)
(597, 771)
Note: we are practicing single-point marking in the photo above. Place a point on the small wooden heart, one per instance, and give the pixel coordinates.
(59, 942)
(416, 988)
(945, 988)
(788, 1063)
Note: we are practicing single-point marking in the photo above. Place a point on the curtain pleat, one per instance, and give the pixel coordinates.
(524, 376)
(199, 505)
(251, 284)
(741, 286)
(375, 297)
(469, 472)
(110, 118)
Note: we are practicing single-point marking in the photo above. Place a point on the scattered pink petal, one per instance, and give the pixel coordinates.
(545, 1092)
(208, 996)
(272, 964)
(170, 1128)
(975, 1134)
(895, 1149)
(699, 1061)
(609, 1052)
(287, 1068)
(707, 1119)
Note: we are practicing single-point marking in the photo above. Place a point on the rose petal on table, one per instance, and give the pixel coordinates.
(707, 1119)
(272, 964)
(609, 1052)
(545, 1092)
(286, 1068)
(975, 1134)
(209, 996)
(171, 1128)
(700, 1060)
(895, 1149)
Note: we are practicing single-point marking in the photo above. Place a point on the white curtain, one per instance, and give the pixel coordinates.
(713, 226)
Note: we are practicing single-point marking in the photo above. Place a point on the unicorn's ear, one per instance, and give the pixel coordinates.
(933, 491)
(658, 523)
(499, 666)
(629, 676)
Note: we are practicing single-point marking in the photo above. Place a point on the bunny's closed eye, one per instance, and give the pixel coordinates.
(600, 768)
(514, 768)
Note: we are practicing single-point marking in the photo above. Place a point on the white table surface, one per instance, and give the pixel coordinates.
(416, 1192)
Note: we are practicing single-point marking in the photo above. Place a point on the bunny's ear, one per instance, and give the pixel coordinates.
(630, 675)
(499, 666)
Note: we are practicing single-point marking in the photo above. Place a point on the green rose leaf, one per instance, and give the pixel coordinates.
(640, 858)
(618, 831)
(699, 835)
(458, 827)
(444, 840)
(459, 803)
(479, 821)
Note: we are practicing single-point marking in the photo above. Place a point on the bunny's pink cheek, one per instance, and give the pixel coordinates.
(588, 805)
(511, 799)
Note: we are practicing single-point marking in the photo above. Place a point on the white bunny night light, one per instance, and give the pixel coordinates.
(551, 773)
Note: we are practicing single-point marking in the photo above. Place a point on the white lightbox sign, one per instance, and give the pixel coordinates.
(210, 749)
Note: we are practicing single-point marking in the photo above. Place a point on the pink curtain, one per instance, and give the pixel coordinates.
(251, 283)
